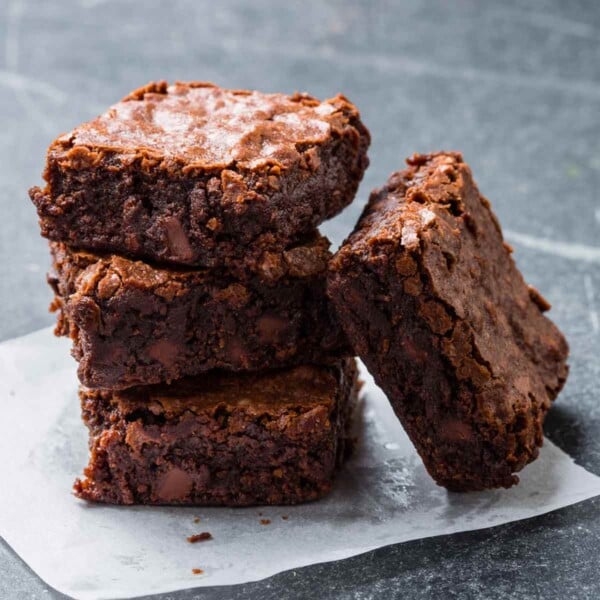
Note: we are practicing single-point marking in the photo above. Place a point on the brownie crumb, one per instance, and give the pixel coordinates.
(197, 571)
(197, 520)
(284, 517)
(200, 537)
(265, 521)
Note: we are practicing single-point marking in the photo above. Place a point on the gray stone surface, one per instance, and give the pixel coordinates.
(515, 86)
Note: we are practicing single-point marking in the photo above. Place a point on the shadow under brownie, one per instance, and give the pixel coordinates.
(433, 303)
(221, 439)
(195, 174)
(135, 324)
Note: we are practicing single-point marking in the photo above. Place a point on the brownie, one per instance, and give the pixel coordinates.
(221, 438)
(433, 303)
(195, 174)
(134, 324)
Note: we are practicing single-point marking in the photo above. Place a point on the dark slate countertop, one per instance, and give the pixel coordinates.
(515, 86)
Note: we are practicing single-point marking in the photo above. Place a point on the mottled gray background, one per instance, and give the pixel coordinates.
(514, 85)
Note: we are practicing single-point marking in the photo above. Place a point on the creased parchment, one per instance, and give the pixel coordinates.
(383, 496)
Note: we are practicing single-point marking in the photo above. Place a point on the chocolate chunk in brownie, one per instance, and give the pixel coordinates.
(134, 324)
(220, 439)
(195, 174)
(433, 303)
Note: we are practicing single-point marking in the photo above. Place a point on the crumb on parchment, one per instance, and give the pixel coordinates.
(200, 537)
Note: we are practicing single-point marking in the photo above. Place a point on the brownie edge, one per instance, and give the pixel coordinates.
(432, 301)
(222, 439)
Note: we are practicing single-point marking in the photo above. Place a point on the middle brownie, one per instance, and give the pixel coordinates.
(132, 323)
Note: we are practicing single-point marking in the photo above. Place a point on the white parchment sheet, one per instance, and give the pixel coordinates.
(383, 496)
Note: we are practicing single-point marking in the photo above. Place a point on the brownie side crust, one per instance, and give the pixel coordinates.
(135, 324)
(220, 439)
(194, 174)
(433, 303)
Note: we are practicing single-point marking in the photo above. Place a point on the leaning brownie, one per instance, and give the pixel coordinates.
(199, 175)
(220, 439)
(132, 323)
(432, 301)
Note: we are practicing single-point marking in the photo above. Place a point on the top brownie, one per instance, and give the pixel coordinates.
(194, 174)
(432, 301)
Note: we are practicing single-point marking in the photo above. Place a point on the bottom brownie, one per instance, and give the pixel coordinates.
(220, 439)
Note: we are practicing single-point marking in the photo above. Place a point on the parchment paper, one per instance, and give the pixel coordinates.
(383, 496)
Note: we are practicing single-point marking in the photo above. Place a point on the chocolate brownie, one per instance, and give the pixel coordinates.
(133, 324)
(195, 174)
(433, 303)
(220, 439)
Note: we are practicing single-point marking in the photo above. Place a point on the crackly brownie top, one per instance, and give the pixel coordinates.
(403, 209)
(103, 276)
(298, 389)
(208, 127)
(438, 240)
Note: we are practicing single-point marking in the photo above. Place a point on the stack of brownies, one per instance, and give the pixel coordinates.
(190, 276)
